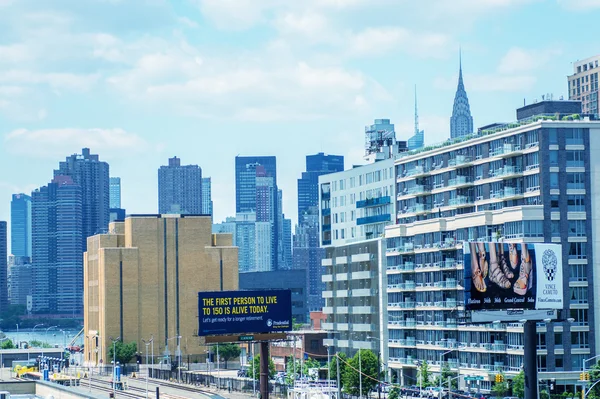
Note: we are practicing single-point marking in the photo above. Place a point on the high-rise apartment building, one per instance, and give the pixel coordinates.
(461, 122)
(179, 188)
(142, 280)
(583, 84)
(115, 192)
(529, 181)
(20, 225)
(92, 175)
(287, 244)
(256, 192)
(57, 260)
(227, 226)
(3, 268)
(207, 203)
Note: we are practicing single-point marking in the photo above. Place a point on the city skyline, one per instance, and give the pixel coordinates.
(317, 63)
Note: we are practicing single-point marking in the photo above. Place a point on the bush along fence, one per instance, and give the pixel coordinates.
(245, 385)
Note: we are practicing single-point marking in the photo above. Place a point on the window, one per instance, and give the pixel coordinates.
(574, 136)
(577, 250)
(552, 136)
(553, 180)
(558, 339)
(532, 182)
(555, 225)
(575, 159)
(575, 181)
(533, 228)
(580, 316)
(558, 362)
(578, 272)
(576, 203)
(576, 228)
(532, 138)
(553, 158)
(579, 295)
(554, 203)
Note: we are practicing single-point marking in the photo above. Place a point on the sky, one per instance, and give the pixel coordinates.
(139, 81)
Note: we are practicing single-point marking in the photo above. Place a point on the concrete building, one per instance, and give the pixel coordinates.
(357, 204)
(355, 297)
(57, 244)
(115, 192)
(3, 268)
(461, 122)
(143, 277)
(294, 280)
(521, 182)
(227, 226)
(92, 175)
(308, 185)
(583, 84)
(20, 225)
(207, 203)
(179, 188)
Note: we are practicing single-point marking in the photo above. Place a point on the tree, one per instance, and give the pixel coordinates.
(424, 375)
(229, 351)
(369, 367)
(394, 393)
(255, 365)
(594, 376)
(333, 366)
(518, 385)
(446, 373)
(39, 344)
(10, 317)
(125, 352)
(499, 389)
(7, 344)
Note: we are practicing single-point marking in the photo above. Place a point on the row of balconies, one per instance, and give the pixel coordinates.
(412, 286)
(447, 304)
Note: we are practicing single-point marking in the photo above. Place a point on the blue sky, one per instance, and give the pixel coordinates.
(139, 81)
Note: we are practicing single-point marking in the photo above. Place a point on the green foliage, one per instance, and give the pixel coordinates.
(229, 351)
(369, 367)
(424, 375)
(333, 366)
(295, 325)
(394, 393)
(255, 365)
(518, 385)
(595, 376)
(299, 367)
(499, 389)
(544, 394)
(7, 344)
(39, 344)
(10, 317)
(446, 373)
(125, 352)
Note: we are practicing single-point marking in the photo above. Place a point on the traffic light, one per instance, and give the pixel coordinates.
(499, 378)
(584, 376)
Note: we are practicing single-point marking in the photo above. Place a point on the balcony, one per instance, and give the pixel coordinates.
(418, 189)
(373, 219)
(326, 227)
(417, 171)
(459, 200)
(459, 181)
(325, 211)
(507, 171)
(373, 202)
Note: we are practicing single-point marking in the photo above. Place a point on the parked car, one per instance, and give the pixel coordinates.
(242, 373)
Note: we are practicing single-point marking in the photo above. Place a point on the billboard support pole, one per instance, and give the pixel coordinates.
(530, 359)
(264, 370)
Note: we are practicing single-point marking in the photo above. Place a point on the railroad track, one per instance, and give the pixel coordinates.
(138, 392)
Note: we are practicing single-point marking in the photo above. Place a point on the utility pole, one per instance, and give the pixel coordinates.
(264, 370)
(339, 386)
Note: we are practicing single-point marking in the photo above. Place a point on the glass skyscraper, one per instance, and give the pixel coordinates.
(115, 192)
(20, 225)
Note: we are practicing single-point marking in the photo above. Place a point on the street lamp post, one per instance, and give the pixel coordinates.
(147, 343)
(441, 362)
(46, 335)
(28, 350)
(378, 367)
(114, 341)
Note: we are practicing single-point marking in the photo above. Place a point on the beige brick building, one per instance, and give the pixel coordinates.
(142, 279)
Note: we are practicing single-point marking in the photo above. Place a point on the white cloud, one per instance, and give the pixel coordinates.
(524, 60)
(579, 5)
(235, 14)
(52, 142)
(381, 40)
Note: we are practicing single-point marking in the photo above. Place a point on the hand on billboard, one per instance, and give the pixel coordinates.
(522, 284)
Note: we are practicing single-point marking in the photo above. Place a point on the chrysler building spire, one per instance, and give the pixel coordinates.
(461, 122)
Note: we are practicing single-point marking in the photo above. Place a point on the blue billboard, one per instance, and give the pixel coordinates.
(243, 312)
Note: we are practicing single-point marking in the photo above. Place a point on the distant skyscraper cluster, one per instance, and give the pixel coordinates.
(583, 84)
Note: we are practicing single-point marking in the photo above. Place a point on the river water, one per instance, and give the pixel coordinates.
(52, 337)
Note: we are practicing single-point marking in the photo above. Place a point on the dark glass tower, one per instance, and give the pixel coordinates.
(308, 186)
(179, 188)
(57, 231)
(92, 176)
(307, 254)
(3, 269)
(20, 225)
(461, 121)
